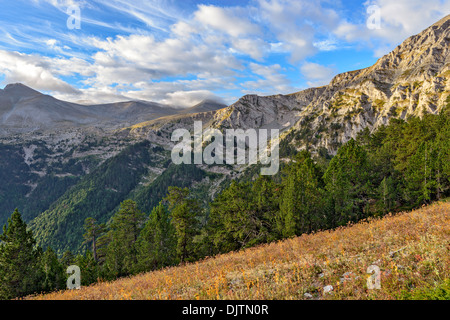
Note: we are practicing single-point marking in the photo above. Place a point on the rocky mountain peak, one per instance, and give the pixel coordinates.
(19, 90)
(409, 81)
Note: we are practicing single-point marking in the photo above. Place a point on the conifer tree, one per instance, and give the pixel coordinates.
(347, 184)
(90, 270)
(124, 231)
(67, 259)
(301, 202)
(184, 213)
(19, 269)
(386, 194)
(93, 233)
(420, 174)
(244, 214)
(54, 276)
(266, 193)
(156, 242)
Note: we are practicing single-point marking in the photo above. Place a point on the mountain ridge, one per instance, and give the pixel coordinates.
(24, 110)
(409, 81)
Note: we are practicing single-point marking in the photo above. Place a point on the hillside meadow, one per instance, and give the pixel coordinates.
(411, 250)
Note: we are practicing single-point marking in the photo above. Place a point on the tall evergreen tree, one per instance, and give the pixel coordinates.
(126, 224)
(184, 213)
(90, 269)
(244, 214)
(156, 242)
(348, 184)
(54, 275)
(19, 269)
(420, 174)
(387, 195)
(301, 203)
(93, 234)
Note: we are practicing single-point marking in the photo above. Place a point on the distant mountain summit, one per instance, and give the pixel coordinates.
(25, 110)
(204, 106)
(17, 91)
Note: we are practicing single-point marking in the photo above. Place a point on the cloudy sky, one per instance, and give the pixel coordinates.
(181, 52)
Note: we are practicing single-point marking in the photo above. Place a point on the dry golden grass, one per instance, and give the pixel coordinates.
(411, 250)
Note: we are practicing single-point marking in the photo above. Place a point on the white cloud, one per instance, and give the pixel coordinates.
(255, 48)
(189, 98)
(316, 74)
(33, 71)
(140, 58)
(271, 81)
(296, 23)
(233, 21)
(400, 19)
(326, 45)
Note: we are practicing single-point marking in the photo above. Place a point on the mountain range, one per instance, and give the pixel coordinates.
(61, 162)
(23, 110)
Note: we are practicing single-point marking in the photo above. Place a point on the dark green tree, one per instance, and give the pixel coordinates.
(19, 269)
(347, 184)
(301, 202)
(93, 234)
(90, 270)
(121, 256)
(67, 259)
(54, 275)
(243, 215)
(184, 214)
(156, 242)
(422, 173)
(387, 195)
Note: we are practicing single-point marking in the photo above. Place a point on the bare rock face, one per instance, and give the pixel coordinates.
(412, 80)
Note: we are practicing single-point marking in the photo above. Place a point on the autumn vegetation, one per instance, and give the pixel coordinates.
(270, 237)
(412, 250)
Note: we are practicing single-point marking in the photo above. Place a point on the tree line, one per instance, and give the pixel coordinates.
(400, 166)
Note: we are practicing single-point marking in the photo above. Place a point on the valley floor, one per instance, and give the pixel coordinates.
(411, 250)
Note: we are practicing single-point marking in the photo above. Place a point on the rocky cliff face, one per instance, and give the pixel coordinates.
(409, 81)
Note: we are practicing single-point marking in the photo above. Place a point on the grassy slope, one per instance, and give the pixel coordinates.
(411, 250)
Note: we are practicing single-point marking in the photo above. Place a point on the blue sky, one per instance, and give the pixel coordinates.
(181, 52)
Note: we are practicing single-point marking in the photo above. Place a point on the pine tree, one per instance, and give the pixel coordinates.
(301, 201)
(53, 272)
(94, 232)
(386, 194)
(243, 215)
(348, 184)
(286, 218)
(126, 224)
(420, 179)
(67, 259)
(19, 269)
(442, 159)
(90, 270)
(265, 198)
(184, 213)
(156, 242)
